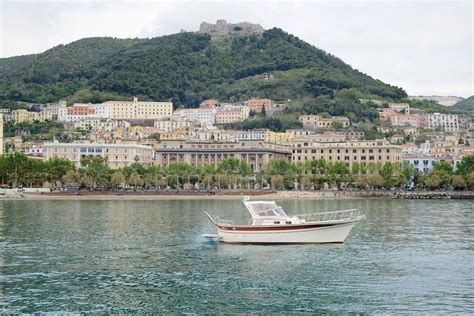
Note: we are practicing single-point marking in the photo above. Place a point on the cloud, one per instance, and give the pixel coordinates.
(423, 46)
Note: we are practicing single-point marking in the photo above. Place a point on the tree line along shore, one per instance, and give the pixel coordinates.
(17, 170)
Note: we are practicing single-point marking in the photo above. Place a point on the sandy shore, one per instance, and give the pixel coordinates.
(233, 195)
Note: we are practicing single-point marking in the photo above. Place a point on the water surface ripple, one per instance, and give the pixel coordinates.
(147, 256)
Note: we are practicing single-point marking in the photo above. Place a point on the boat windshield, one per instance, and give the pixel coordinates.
(267, 209)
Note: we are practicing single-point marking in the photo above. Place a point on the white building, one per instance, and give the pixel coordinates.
(423, 164)
(204, 116)
(117, 155)
(106, 125)
(400, 107)
(80, 111)
(448, 122)
(173, 123)
(410, 149)
(54, 108)
(256, 134)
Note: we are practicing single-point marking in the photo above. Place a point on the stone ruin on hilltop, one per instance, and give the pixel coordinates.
(222, 29)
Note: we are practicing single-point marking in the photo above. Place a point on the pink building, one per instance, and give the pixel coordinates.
(405, 119)
(386, 114)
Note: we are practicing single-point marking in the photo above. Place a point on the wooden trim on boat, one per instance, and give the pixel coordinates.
(278, 227)
(281, 243)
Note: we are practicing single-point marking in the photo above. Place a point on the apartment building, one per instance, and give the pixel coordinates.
(117, 155)
(170, 124)
(410, 149)
(139, 110)
(448, 122)
(325, 136)
(365, 152)
(405, 120)
(279, 137)
(231, 114)
(256, 105)
(34, 151)
(215, 135)
(106, 125)
(81, 111)
(256, 153)
(54, 108)
(20, 116)
(222, 135)
(317, 121)
(203, 116)
(445, 148)
(424, 164)
(177, 134)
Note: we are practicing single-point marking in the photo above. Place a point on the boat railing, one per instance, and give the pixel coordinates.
(221, 221)
(336, 216)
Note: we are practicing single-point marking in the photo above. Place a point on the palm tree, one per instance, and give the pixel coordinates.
(117, 179)
(135, 180)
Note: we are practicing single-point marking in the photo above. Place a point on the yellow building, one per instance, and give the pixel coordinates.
(20, 116)
(255, 153)
(280, 138)
(177, 134)
(445, 148)
(141, 110)
(135, 130)
(364, 152)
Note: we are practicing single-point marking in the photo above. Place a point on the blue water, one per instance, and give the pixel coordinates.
(148, 256)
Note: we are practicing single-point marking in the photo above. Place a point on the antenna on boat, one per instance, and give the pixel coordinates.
(210, 218)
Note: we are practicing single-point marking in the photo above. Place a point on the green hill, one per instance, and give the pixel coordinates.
(465, 105)
(185, 68)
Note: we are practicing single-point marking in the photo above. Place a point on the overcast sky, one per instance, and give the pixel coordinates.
(426, 47)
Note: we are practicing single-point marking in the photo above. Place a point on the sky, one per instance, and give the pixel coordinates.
(425, 47)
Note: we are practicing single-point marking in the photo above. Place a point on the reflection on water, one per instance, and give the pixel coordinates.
(148, 256)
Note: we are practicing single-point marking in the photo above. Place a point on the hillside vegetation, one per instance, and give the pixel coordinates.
(465, 105)
(185, 68)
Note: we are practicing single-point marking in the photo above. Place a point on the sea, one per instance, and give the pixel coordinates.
(149, 256)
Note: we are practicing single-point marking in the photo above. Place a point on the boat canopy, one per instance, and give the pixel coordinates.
(265, 209)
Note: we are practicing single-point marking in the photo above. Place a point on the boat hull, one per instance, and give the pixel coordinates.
(303, 234)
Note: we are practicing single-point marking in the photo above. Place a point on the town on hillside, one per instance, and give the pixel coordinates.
(122, 134)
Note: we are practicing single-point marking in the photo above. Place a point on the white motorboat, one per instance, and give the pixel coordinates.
(271, 225)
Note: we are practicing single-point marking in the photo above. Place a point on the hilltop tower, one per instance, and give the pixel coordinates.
(222, 29)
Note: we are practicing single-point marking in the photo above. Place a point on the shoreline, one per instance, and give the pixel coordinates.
(234, 195)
